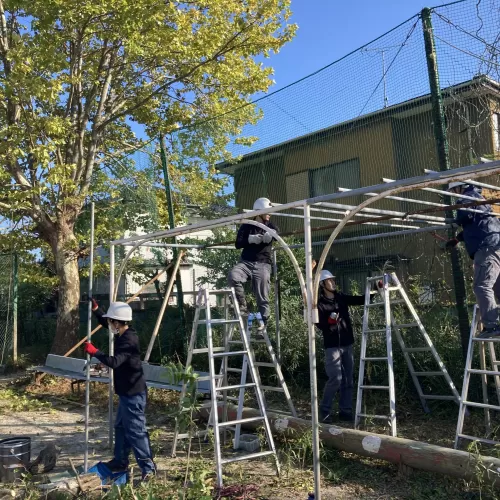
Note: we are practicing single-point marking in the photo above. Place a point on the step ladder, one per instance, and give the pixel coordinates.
(219, 384)
(486, 346)
(414, 327)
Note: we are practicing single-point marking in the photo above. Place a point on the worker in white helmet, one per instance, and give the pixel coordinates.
(130, 387)
(481, 236)
(338, 339)
(255, 263)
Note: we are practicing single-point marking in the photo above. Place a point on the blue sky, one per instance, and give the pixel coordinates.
(329, 29)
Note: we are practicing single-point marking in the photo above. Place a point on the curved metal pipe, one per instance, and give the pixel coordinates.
(274, 234)
(349, 215)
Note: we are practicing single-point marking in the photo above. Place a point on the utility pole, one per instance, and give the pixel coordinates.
(438, 119)
(171, 221)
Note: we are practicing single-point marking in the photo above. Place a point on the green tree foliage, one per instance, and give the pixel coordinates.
(74, 76)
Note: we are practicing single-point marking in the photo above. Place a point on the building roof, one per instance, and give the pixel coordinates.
(415, 105)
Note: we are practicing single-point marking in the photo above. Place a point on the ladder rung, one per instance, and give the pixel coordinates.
(235, 342)
(374, 278)
(443, 398)
(250, 456)
(375, 359)
(234, 370)
(406, 325)
(218, 321)
(233, 398)
(481, 405)
(428, 374)
(229, 353)
(240, 421)
(272, 388)
(417, 349)
(380, 417)
(376, 331)
(204, 350)
(381, 387)
(207, 377)
(494, 339)
(485, 372)
(392, 302)
(481, 440)
(232, 387)
(393, 288)
(219, 292)
(261, 363)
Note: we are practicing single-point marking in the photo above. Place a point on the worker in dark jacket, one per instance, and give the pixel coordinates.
(255, 263)
(481, 235)
(130, 386)
(335, 324)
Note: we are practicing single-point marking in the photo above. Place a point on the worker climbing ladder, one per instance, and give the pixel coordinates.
(393, 298)
(485, 370)
(219, 383)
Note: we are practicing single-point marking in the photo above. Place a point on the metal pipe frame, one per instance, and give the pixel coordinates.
(376, 236)
(274, 234)
(89, 339)
(469, 181)
(459, 174)
(295, 216)
(310, 291)
(418, 202)
(112, 297)
(396, 187)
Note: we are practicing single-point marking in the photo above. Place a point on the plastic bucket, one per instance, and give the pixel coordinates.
(15, 455)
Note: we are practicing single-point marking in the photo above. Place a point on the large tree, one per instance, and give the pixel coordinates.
(76, 74)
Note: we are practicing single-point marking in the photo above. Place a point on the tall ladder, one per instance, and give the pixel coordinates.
(391, 283)
(219, 380)
(485, 372)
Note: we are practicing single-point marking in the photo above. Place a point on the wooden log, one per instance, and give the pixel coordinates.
(400, 451)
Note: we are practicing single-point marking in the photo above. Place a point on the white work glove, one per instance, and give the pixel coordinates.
(255, 239)
(267, 238)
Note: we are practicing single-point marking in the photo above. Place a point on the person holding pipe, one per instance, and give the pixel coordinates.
(481, 236)
(130, 386)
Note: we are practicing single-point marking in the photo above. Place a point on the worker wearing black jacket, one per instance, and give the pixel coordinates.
(255, 263)
(130, 386)
(335, 324)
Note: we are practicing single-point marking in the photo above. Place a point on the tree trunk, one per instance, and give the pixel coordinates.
(68, 315)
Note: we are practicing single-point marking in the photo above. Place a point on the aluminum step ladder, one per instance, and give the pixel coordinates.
(413, 327)
(485, 372)
(219, 384)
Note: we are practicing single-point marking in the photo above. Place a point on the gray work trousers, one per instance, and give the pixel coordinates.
(260, 274)
(487, 284)
(339, 366)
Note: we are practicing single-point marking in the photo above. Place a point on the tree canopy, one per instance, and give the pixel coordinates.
(75, 76)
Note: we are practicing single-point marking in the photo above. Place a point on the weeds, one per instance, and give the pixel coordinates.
(11, 400)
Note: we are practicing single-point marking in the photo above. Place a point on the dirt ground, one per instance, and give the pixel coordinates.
(51, 413)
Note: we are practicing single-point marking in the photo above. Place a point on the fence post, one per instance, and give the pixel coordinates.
(171, 219)
(438, 119)
(15, 291)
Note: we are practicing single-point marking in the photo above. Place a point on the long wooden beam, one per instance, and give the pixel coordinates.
(404, 452)
(97, 328)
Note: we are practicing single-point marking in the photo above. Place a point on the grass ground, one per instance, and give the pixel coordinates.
(52, 413)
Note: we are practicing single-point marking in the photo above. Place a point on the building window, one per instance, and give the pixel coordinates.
(496, 131)
(326, 180)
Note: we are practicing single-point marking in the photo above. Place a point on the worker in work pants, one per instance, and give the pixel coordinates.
(339, 367)
(131, 433)
(260, 275)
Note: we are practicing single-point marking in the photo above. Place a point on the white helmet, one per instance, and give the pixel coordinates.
(119, 311)
(261, 203)
(455, 184)
(325, 275)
